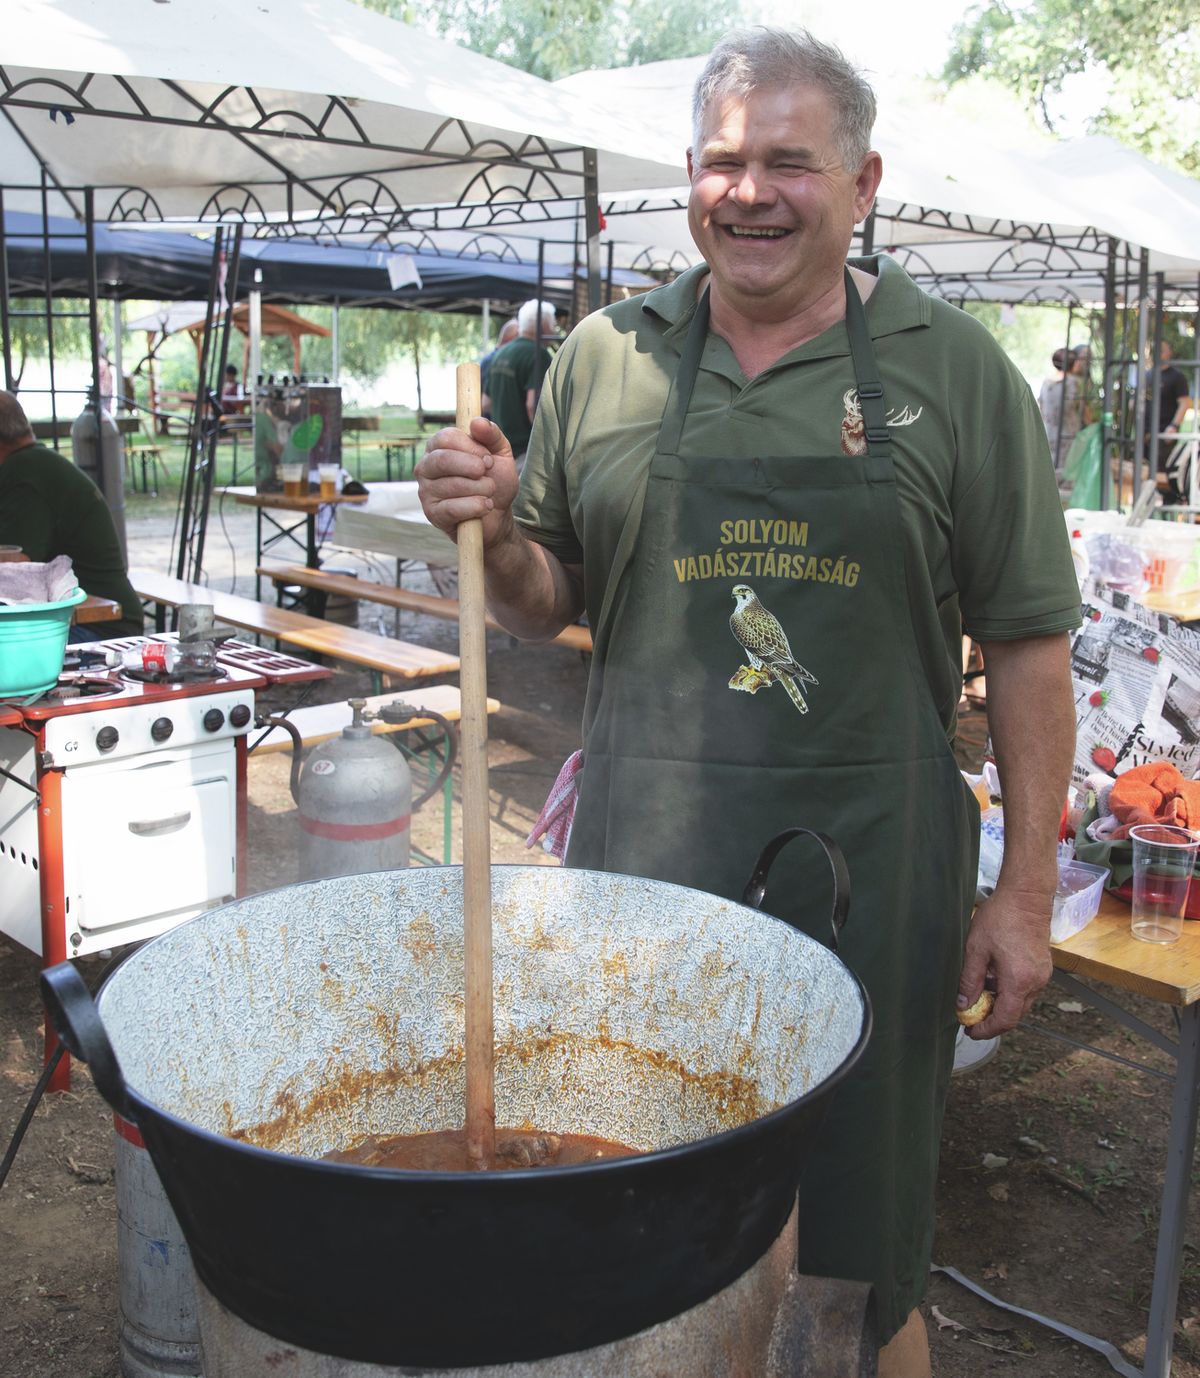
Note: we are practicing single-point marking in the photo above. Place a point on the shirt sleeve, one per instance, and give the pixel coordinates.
(543, 508)
(1011, 554)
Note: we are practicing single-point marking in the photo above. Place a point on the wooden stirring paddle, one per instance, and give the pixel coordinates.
(477, 878)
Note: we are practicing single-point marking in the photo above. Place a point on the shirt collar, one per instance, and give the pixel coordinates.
(896, 304)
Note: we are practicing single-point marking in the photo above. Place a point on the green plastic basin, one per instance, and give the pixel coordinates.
(33, 638)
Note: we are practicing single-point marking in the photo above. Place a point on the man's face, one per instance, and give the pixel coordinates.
(772, 209)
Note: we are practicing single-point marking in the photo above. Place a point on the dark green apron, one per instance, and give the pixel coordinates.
(708, 737)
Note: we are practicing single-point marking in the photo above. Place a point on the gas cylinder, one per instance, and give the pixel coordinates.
(99, 452)
(355, 801)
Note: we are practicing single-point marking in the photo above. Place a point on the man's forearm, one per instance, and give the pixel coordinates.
(530, 592)
(1031, 716)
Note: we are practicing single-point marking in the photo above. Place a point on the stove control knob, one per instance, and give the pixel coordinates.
(214, 719)
(161, 729)
(239, 715)
(107, 738)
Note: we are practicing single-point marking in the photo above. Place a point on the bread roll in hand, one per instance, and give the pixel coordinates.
(978, 1012)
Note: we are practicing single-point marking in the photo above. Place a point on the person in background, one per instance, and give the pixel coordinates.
(233, 399)
(1061, 404)
(777, 484)
(48, 508)
(508, 331)
(1174, 403)
(515, 376)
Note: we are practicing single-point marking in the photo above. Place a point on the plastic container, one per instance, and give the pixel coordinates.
(33, 639)
(1172, 552)
(1077, 900)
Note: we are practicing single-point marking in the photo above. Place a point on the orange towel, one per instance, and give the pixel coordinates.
(1154, 793)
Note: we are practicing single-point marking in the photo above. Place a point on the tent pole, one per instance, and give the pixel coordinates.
(868, 234)
(1155, 379)
(49, 316)
(118, 362)
(591, 209)
(1108, 375)
(485, 323)
(254, 312)
(5, 333)
(1139, 396)
(195, 433)
(335, 343)
(608, 276)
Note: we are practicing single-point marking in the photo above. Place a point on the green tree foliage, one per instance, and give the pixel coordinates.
(1148, 49)
(27, 334)
(553, 38)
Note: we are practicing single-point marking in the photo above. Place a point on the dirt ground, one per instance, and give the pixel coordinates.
(1051, 1166)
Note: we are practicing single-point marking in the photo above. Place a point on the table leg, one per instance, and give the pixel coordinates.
(258, 547)
(1181, 1144)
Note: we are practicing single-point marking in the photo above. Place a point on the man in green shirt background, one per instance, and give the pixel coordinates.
(48, 508)
(515, 374)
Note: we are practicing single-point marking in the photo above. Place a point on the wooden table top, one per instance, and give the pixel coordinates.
(95, 609)
(310, 503)
(1107, 951)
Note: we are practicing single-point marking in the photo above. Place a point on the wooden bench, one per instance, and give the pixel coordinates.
(325, 720)
(380, 654)
(577, 638)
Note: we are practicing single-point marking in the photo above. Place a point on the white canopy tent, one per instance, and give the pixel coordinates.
(297, 111)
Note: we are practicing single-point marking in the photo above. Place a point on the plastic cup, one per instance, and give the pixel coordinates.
(10, 553)
(328, 476)
(1164, 858)
(293, 480)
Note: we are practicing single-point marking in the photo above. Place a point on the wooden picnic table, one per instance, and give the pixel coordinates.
(308, 506)
(95, 609)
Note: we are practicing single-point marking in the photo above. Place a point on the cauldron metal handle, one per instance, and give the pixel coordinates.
(756, 886)
(77, 1023)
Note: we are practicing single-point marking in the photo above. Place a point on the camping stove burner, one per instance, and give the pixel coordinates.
(81, 686)
(188, 675)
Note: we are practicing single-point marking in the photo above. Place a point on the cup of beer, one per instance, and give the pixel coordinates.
(294, 484)
(328, 476)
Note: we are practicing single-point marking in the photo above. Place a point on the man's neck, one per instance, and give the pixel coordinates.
(759, 339)
(11, 449)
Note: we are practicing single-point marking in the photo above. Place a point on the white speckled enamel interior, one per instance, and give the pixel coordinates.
(305, 1018)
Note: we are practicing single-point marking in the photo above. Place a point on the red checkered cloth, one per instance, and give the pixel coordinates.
(553, 826)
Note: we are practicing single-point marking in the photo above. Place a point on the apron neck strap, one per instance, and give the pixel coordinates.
(866, 372)
(866, 375)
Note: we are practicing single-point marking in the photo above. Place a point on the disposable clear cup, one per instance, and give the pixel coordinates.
(11, 553)
(294, 483)
(328, 476)
(1164, 858)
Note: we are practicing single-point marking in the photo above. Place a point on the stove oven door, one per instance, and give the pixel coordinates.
(147, 842)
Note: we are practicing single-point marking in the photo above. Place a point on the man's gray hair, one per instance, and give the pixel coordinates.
(527, 318)
(765, 58)
(14, 424)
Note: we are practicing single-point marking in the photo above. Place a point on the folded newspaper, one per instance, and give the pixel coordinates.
(27, 582)
(1136, 677)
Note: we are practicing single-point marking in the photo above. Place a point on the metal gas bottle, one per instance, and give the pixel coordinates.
(354, 796)
(99, 451)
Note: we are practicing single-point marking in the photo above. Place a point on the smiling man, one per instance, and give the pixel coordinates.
(780, 487)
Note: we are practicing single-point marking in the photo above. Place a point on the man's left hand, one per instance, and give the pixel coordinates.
(1008, 942)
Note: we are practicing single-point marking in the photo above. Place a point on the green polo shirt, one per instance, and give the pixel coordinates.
(48, 508)
(985, 544)
(512, 374)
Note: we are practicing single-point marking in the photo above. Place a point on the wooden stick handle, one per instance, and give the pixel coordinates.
(477, 879)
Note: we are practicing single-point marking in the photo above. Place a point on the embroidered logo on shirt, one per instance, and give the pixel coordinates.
(766, 645)
(854, 430)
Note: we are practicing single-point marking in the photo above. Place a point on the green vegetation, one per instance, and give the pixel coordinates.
(1149, 51)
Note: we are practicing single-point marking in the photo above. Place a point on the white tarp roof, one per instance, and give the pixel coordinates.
(998, 176)
(284, 100)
